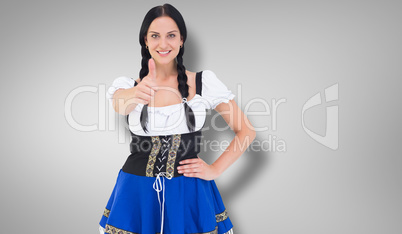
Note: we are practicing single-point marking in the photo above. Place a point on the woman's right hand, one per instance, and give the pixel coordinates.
(125, 100)
(145, 90)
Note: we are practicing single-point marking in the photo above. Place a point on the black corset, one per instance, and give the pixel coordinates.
(151, 155)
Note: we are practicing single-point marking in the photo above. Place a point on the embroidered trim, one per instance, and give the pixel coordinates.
(211, 232)
(114, 230)
(156, 145)
(172, 155)
(106, 213)
(222, 216)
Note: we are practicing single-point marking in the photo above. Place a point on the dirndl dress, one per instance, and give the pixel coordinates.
(150, 196)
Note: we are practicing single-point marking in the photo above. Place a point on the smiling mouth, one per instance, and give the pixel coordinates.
(164, 52)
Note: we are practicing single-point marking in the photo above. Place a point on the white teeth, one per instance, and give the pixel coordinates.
(163, 52)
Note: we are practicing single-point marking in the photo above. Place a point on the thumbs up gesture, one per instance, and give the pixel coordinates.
(147, 88)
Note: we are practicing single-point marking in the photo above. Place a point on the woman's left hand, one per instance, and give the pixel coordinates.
(196, 167)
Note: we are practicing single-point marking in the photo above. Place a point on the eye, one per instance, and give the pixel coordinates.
(172, 35)
(154, 35)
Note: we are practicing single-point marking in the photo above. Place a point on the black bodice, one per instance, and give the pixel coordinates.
(151, 155)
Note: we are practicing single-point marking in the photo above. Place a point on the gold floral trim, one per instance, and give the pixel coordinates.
(106, 213)
(222, 216)
(211, 232)
(172, 155)
(114, 230)
(156, 145)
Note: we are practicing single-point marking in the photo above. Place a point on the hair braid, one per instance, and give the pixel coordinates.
(144, 72)
(183, 89)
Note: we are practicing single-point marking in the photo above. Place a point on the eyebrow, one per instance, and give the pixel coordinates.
(167, 32)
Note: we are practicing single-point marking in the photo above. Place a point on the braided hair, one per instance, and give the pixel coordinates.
(158, 11)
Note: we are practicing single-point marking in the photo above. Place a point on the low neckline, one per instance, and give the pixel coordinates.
(173, 105)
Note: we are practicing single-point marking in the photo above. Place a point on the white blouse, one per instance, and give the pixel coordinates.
(167, 120)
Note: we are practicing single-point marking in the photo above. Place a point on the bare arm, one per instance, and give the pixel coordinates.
(125, 100)
(245, 134)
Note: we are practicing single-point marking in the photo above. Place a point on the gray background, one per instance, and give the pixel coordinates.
(57, 179)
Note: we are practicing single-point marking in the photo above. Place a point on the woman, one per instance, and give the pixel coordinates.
(164, 187)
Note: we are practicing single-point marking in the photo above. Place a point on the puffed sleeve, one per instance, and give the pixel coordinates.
(121, 82)
(213, 90)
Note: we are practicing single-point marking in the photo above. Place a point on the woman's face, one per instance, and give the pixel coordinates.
(163, 40)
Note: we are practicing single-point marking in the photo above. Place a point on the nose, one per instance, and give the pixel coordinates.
(162, 43)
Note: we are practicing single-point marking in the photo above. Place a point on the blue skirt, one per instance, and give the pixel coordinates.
(189, 205)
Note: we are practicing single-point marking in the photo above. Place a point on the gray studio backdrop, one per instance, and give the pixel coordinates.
(319, 79)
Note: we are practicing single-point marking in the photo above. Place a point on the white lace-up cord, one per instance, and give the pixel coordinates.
(159, 187)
